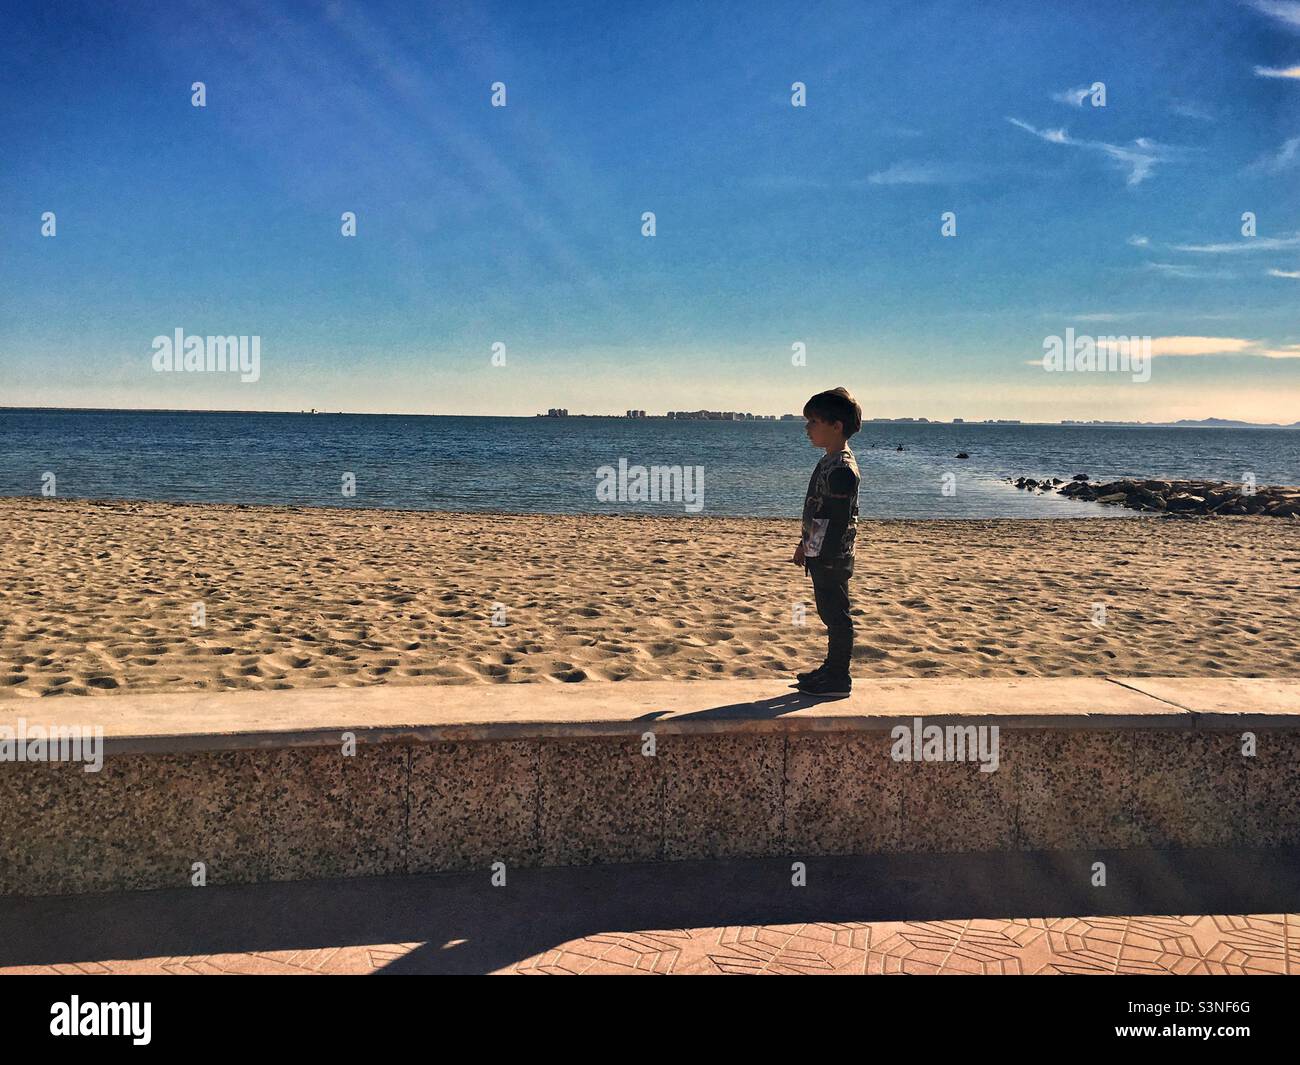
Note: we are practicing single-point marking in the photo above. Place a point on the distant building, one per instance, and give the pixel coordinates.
(721, 416)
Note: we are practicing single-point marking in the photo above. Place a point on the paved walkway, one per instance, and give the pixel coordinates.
(1258, 944)
(211, 721)
(916, 914)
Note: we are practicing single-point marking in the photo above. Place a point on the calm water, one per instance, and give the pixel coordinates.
(549, 465)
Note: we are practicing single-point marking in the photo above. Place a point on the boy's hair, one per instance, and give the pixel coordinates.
(837, 405)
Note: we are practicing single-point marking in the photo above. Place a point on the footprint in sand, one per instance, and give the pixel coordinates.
(241, 671)
(867, 653)
(288, 660)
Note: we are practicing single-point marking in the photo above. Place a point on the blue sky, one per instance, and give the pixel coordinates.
(775, 224)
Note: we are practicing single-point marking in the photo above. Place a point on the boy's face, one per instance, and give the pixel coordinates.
(822, 433)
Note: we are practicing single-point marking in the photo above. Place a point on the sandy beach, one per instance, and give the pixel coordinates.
(99, 597)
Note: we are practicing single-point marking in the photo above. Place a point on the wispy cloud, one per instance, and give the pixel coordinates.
(1073, 97)
(1189, 273)
(1278, 72)
(1182, 347)
(1275, 162)
(897, 174)
(1138, 241)
(1235, 346)
(1254, 244)
(1138, 158)
(1190, 110)
(1286, 12)
(912, 174)
(1294, 275)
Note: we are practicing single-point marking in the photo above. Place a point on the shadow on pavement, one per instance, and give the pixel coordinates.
(542, 908)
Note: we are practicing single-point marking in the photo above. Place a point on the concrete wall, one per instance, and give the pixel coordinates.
(304, 812)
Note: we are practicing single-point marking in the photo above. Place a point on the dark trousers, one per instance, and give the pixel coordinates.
(831, 593)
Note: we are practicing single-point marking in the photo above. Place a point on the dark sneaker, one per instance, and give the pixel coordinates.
(827, 684)
(812, 674)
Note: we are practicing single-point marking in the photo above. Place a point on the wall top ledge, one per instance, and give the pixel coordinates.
(207, 721)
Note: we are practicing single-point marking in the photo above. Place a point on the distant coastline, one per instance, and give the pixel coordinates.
(1185, 423)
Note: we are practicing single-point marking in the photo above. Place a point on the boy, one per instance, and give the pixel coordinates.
(830, 527)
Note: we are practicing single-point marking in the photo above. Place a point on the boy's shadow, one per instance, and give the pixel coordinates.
(773, 707)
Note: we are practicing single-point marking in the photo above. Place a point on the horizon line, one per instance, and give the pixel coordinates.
(912, 420)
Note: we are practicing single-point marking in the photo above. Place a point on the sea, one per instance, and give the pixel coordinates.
(558, 465)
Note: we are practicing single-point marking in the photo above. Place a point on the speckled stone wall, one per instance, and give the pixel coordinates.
(308, 812)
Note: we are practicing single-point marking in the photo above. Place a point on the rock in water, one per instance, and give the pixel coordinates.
(1182, 499)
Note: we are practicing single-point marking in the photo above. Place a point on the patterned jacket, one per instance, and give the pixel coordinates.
(830, 514)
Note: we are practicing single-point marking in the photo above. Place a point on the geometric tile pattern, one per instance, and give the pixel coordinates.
(1209, 944)
(323, 962)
